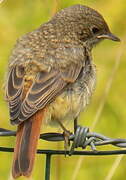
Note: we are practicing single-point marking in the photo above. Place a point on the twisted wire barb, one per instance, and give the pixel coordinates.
(82, 138)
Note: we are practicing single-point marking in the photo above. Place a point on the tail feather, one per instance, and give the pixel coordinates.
(15, 168)
(26, 145)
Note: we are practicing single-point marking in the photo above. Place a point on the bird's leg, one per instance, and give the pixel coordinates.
(66, 134)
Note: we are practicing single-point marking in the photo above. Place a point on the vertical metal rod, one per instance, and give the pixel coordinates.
(75, 125)
(47, 168)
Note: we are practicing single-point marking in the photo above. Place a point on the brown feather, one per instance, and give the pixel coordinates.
(46, 87)
(26, 145)
(15, 168)
(70, 74)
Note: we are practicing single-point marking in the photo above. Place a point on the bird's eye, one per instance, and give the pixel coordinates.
(95, 30)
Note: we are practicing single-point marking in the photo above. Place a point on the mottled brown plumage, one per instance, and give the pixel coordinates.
(51, 76)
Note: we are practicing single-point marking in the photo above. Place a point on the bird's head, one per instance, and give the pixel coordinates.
(85, 24)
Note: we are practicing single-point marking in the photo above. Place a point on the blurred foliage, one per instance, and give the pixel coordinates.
(108, 103)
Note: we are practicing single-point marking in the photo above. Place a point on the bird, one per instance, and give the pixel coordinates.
(51, 77)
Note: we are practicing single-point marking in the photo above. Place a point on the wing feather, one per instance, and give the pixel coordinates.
(44, 89)
(48, 90)
(71, 73)
(14, 90)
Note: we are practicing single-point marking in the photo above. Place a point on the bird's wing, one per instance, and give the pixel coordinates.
(44, 89)
(14, 90)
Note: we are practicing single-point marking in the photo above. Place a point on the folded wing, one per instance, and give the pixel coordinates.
(44, 89)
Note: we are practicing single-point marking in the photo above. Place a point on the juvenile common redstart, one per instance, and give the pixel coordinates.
(52, 77)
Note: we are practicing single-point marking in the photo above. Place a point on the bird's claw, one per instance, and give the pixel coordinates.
(66, 135)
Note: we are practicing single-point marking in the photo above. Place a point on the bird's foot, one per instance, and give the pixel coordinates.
(66, 135)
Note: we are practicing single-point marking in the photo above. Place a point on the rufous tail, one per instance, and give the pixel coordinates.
(26, 145)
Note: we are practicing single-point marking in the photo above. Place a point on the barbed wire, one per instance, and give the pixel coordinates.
(82, 138)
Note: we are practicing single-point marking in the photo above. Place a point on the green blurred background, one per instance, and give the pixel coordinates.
(106, 114)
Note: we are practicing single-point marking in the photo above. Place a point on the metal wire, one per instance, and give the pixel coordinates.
(76, 153)
(80, 138)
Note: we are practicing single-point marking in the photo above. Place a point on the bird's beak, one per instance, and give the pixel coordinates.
(108, 36)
